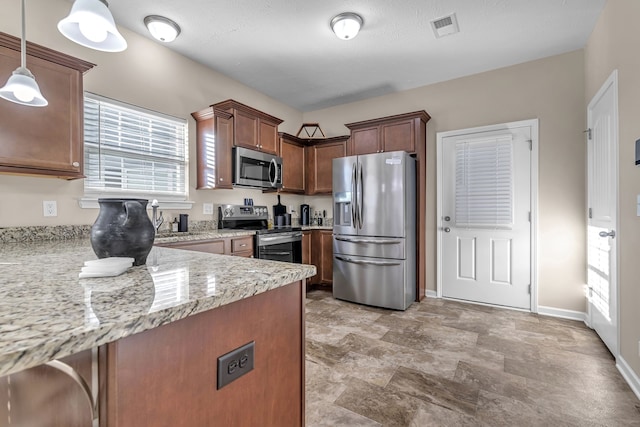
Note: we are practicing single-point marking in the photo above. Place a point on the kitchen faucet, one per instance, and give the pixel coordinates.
(155, 219)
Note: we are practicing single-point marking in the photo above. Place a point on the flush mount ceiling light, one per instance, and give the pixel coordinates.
(91, 25)
(21, 87)
(161, 28)
(346, 25)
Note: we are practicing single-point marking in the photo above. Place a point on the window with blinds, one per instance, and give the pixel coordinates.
(131, 151)
(484, 183)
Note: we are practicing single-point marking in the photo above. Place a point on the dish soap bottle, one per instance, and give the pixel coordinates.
(174, 225)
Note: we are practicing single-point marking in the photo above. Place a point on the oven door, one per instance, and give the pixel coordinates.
(286, 247)
(255, 169)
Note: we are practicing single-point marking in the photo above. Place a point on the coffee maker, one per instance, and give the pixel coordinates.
(305, 215)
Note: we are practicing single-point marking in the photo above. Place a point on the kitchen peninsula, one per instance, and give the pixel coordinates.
(159, 331)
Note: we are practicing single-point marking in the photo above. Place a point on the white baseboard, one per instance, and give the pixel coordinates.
(629, 375)
(431, 294)
(562, 313)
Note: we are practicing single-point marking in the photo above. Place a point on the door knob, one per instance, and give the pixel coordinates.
(611, 234)
(446, 229)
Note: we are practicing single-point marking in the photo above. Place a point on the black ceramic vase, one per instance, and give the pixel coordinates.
(123, 229)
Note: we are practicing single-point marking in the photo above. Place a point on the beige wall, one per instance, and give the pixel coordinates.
(146, 74)
(550, 89)
(614, 44)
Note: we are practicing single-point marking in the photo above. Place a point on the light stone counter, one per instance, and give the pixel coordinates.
(47, 312)
(317, 227)
(200, 235)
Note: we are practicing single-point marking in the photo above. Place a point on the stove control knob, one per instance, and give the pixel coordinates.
(228, 212)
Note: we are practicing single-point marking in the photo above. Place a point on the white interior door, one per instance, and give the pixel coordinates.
(485, 232)
(602, 120)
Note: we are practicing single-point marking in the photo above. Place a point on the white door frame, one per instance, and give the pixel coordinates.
(534, 199)
(612, 81)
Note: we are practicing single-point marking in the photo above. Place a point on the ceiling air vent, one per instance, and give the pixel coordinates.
(445, 26)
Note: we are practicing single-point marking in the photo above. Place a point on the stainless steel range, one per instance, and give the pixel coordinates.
(277, 244)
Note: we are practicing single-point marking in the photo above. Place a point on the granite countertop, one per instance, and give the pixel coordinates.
(317, 227)
(47, 312)
(200, 235)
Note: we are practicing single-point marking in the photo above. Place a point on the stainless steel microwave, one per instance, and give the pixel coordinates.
(256, 169)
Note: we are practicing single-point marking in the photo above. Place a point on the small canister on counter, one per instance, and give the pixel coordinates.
(183, 223)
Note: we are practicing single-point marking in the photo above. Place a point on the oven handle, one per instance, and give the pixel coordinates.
(379, 242)
(378, 263)
(274, 238)
(279, 253)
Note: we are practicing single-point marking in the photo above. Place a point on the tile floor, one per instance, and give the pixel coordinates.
(446, 363)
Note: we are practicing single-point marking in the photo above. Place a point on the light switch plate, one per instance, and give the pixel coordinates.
(207, 208)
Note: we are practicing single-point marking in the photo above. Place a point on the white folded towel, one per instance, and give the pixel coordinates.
(105, 267)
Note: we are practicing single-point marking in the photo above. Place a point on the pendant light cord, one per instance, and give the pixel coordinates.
(23, 43)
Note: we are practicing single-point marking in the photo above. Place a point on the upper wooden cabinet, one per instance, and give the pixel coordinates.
(252, 128)
(214, 139)
(393, 133)
(319, 160)
(43, 140)
(293, 165)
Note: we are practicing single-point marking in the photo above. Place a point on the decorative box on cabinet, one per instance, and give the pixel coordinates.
(293, 160)
(319, 160)
(47, 140)
(214, 139)
(252, 128)
(394, 133)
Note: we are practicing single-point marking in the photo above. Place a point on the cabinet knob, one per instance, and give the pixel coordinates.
(221, 179)
(75, 164)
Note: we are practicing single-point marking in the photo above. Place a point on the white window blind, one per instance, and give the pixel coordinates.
(484, 183)
(133, 151)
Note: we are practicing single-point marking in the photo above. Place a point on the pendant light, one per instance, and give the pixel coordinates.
(21, 87)
(346, 25)
(91, 25)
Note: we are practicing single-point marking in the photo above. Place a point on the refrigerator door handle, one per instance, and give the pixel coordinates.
(378, 242)
(376, 263)
(354, 200)
(361, 196)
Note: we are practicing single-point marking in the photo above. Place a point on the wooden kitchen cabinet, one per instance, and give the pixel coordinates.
(319, 161)
(214, 139)
(293, 163)
(394, 133)
(322, 257)
(167, 376)
(49, 140)
(236, 246)
(252, 128)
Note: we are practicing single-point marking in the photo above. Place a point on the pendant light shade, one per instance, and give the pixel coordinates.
(21, 87)
(91, 25)
(161, 28)
(346, 25)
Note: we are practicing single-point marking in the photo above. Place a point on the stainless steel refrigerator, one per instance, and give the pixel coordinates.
(374, 229)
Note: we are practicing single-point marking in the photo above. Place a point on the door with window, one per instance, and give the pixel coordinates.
(602, 135)
(485, 223)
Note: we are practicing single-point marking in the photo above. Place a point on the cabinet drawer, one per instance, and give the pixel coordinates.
(242, 244)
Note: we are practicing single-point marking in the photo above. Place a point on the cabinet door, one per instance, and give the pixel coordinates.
(268, 137)
(320, 163)
(246, 130)
(43, 141)
(398, 136)
(214, 137)
(364, 141)
(306, 247)
(293, 167)
(326, 249)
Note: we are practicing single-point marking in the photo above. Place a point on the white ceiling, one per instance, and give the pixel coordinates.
(286, 49)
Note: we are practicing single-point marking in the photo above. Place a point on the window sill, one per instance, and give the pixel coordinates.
(92, 202)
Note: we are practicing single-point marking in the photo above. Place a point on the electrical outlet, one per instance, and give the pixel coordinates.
(50, 208)
(235, 364)
(207, 208)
